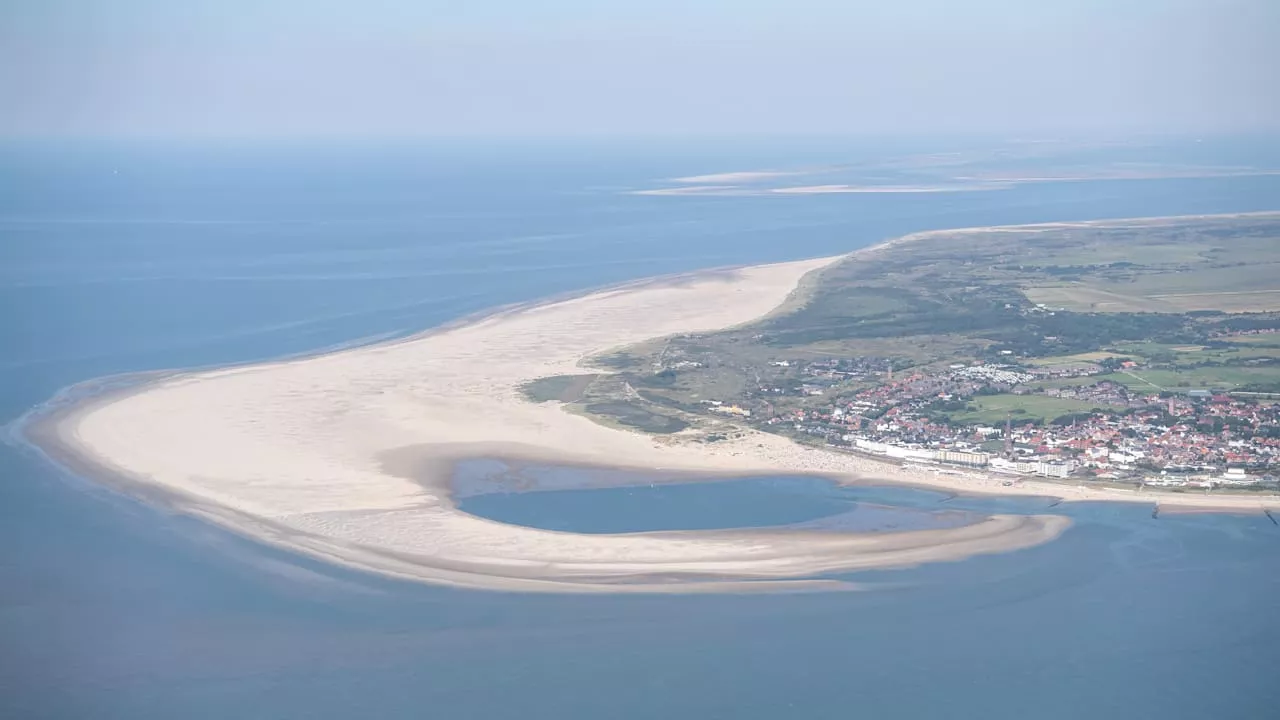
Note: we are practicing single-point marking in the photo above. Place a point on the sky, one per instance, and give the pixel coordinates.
(407, 68)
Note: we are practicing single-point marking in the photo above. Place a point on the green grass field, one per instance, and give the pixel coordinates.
(1176, 380)
(1201, 271)
(1152, 349)
(1269, 339)
(1088, 357)
(565, 388)
(636, 415)
(1226, 355)
(1222, 378)
(1071, 382)
(993, 409)
(1184, 355)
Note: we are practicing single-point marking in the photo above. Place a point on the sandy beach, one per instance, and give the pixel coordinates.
(346, 456)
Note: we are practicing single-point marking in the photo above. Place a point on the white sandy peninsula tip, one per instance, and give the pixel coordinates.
(346, 455)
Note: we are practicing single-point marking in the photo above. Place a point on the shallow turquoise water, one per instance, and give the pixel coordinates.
(126, 259)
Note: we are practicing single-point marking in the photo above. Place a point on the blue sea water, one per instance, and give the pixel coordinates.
(126, 258)
(635, 502)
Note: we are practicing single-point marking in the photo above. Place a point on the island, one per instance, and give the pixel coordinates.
(348, 456)
(1123, 354)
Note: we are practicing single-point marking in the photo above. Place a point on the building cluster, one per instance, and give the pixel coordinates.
(1066, 370)
(1104, 392)
(1194, 439)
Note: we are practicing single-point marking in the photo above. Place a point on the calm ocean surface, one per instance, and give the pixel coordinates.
(572, 499)
(121, 259)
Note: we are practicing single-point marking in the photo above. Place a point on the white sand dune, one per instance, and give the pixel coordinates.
(346, 455)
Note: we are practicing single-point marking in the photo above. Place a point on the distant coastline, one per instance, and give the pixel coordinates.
(347, 455)
(929, 174)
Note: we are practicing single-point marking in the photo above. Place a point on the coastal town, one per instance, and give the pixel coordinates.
(1090, 424)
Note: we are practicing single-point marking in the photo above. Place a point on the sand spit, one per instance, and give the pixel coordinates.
(696, 190)
(745, 176)
(839, 189)
(346, 456)
(742, 190)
